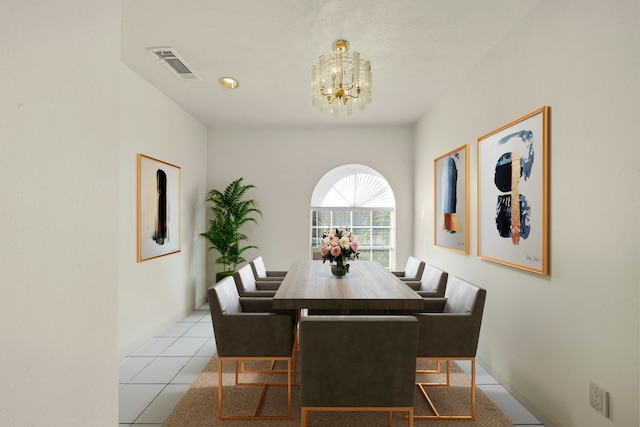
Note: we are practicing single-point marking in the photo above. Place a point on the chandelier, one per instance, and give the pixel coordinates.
(340, 81)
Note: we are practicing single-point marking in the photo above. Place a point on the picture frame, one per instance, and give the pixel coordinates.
(159, 208)
(513, 165)
(451, 200)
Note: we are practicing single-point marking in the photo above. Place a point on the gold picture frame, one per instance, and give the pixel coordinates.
(451, 200)
(159, 209)
(513, 166)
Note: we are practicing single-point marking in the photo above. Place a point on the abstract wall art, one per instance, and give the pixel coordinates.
(159, 198)
(513, 187)
(451, 200)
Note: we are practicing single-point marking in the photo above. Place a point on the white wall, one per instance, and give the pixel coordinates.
(285, 165)
(58, 212)
(546, 337)
(157, 292)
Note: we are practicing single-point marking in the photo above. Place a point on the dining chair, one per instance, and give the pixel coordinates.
(357, 363)
(261, 274)
(412, 270)
(246, 329)
(450, 335)
(433, 283)
(248, 286)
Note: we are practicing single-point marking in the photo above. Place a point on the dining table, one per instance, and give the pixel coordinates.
(368, 286)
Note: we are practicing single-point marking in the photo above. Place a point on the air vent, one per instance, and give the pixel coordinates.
(175, 63)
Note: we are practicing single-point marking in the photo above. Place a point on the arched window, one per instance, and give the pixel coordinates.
(359, 198)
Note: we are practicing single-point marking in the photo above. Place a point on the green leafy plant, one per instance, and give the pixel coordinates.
(229, 212)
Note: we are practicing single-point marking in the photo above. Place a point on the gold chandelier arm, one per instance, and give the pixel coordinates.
(341, 93)
(354, 96)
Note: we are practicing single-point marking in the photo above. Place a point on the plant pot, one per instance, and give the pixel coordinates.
(222, 275)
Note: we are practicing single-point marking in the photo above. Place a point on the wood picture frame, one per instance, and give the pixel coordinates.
(451, 200)
(159, 209)
(513, 165)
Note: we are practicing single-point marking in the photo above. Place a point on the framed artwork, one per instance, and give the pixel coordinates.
(513, 193)
(159, 186)
(451, 200)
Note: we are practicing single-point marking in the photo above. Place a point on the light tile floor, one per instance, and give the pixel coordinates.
(155, 377)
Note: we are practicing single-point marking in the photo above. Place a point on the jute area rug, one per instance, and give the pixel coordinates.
(199, 406)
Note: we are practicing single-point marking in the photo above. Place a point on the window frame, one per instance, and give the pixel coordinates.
(320, 229)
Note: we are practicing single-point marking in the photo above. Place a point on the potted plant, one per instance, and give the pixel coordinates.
(229, 212)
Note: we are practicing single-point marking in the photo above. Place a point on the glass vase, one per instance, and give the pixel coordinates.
(339, 270)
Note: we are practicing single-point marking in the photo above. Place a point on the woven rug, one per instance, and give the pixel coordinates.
(199, 406)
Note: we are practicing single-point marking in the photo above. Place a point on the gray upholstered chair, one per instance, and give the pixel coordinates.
(433, 283)
(412, 270)
(248, 286)
(451, 335)
(267, 280)
(244, 329)
(357, 363)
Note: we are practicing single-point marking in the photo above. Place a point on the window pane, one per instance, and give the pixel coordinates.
(361, 218)
(382, 257)
(364, 255)
(341, 219)
(381, 237)
(315, 240)
(324, 219)
(363, 235)
(382, 218)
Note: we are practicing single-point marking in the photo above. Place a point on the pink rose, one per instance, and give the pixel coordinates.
(353, 238)
(335, 241)
(335, 251)
(354, 246)
(323, 250)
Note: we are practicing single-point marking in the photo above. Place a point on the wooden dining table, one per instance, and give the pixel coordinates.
(366, 287)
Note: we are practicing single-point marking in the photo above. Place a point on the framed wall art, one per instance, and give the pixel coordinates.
(513, 193)
(159, 186)
(451, 200)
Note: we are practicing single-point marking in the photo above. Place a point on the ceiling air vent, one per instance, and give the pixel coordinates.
(175, 63)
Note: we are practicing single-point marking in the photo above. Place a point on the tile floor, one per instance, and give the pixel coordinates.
(154, 377)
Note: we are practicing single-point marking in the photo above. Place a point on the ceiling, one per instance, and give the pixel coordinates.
(417, 49)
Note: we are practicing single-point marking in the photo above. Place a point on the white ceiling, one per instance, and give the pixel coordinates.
(417, 49)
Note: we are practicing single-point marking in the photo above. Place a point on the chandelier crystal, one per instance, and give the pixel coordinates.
(341, 82)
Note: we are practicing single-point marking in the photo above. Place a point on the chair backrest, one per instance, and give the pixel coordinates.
(414, 268)
(223, 299)
(245, 281)
(357, 361)
(464, 298)
(257, 265)
(434, 281)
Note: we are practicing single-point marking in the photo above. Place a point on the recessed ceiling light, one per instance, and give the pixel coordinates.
(228, 82)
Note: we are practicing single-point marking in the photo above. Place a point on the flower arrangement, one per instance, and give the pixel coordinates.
(339, 245)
